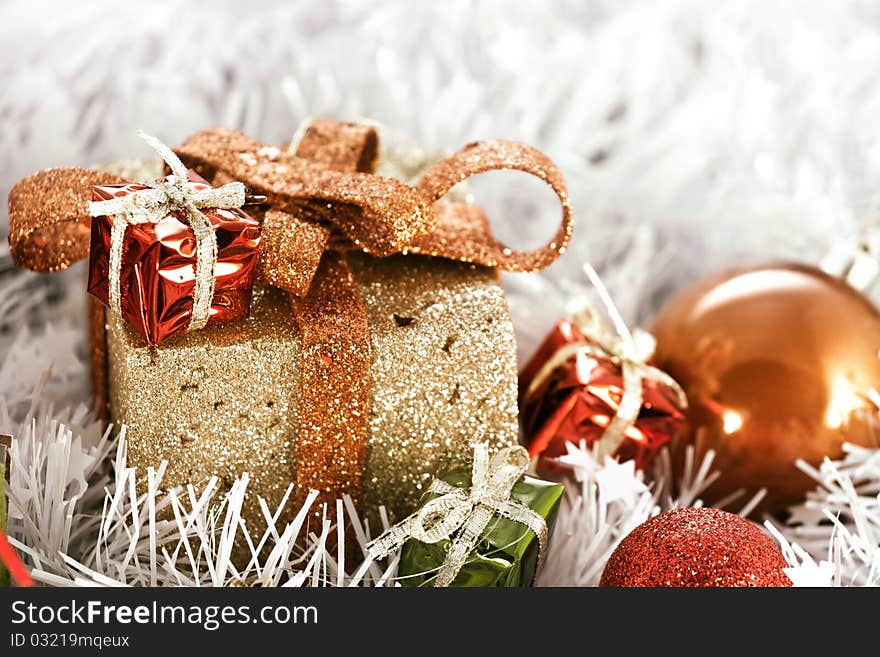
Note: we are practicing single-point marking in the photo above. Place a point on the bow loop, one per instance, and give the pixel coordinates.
(473, 241)
(507, 466)
(159, 198)
(621, 345)
(49, 220)
(480, 471)
(378, 215)
(440, 517)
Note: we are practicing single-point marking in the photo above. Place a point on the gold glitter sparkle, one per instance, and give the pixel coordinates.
(49, 219)
(428, 345)
(225, 400)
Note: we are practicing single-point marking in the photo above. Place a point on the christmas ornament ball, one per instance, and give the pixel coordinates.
(777, 362)
(696, 547)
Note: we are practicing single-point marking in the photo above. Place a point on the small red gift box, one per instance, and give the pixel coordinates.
(581, 397)
(158, 270)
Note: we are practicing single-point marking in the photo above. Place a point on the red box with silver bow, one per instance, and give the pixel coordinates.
(579, 399)
(158, 265)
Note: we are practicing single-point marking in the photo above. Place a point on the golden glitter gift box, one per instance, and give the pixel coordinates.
(354, 373)
(224, 400)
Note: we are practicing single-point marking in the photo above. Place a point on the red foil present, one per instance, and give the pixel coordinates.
(578, 400)
(157, 275)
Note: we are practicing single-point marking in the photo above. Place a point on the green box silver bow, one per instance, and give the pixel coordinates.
(482, 528)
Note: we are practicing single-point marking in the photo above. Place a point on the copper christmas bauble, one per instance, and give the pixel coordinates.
(696, 547)
(777, 362)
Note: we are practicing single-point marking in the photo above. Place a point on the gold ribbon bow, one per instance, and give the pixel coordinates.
(462, 514)
(153, 204)
(323, 200)
(316, 208)
(629, 350)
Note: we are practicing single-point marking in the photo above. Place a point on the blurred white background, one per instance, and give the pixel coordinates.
(693, 134)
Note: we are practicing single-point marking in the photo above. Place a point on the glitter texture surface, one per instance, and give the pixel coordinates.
(383, 215)
(358, 383)
(49, 218)
(225, 400)
(335, 398)
(291, 251)
(444, 371)
(696, 547)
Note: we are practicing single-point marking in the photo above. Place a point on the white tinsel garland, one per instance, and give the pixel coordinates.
(679, 125)
(839, 523)
(76, 516)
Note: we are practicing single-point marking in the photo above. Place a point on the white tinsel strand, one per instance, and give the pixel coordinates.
(803, 571)
(108, 533)
(840, 520)
(604, 502)
(55, 456)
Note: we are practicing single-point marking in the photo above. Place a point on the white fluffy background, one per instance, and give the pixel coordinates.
(693, 134)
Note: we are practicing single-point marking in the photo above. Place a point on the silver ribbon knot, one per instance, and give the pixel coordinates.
(153, 204)
(462, 514)
(629, 350)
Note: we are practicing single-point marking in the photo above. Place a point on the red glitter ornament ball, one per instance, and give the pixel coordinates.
(696, 547)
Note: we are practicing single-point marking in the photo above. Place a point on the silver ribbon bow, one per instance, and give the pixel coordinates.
(153, 204)
(629, 350)
(461, 514)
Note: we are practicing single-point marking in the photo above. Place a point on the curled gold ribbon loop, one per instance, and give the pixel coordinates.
(381, 216)
(49, 220)
(472, 240)
(629, 350)
(463, 514)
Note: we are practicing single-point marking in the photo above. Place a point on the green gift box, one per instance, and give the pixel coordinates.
(507, 553)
